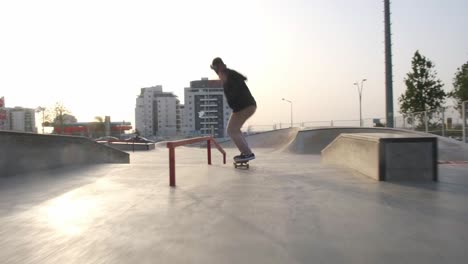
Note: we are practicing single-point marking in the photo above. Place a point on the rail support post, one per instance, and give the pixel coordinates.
(173, 144)
(208, 150)
(172, 180)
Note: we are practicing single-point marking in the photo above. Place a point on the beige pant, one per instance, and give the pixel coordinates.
(236, 121)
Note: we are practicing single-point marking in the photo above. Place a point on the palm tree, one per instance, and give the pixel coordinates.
(99, 126)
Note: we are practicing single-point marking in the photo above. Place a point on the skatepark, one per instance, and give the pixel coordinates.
(290, 206)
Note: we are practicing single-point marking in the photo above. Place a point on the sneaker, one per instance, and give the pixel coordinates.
(237, 157)
(244, 157)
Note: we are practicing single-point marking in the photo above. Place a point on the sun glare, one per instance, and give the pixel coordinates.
(70, 214)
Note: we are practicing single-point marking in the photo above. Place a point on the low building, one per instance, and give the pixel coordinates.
(93, 129)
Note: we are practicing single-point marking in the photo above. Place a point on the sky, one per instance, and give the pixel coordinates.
(95, 56)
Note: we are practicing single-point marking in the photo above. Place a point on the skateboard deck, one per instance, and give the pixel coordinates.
(241, 164)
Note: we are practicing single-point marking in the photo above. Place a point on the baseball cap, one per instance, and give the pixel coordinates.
(216, 62)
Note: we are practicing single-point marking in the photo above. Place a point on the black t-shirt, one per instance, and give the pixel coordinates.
(237, 93)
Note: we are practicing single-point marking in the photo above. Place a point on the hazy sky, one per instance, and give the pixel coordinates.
(94, 56)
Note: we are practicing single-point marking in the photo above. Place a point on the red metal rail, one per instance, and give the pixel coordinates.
(173, 144)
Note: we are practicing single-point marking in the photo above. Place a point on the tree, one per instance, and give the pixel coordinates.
(99, 126)
(69, 119)
(60, 113)
(424, 91)
(460, 85)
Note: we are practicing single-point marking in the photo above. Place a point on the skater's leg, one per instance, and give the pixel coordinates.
(236, 121)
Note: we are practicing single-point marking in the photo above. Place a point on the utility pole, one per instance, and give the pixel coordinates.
(388, 66)
(38, 110)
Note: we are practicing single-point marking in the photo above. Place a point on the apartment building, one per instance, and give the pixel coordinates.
(18, 119)
(157, 113)
(206, 110)
(4, 120)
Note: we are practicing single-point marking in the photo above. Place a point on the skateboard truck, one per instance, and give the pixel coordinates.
(241, 164)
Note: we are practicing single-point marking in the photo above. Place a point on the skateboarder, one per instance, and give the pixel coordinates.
(242, 103)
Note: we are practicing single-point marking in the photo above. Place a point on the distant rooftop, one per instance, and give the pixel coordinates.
(205, 83)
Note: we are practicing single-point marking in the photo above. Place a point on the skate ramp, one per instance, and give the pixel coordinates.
(451, 149)
(313, 141)
(27, 152)
(448, 149)
(276, 139)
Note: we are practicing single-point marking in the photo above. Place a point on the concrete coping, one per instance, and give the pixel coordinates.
(377, 137)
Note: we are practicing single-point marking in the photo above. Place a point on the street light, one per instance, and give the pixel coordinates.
(122, 129)
(38, 110)
(291, 111)
(360, 99)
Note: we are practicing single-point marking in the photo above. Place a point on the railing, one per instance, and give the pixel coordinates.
(173, 144)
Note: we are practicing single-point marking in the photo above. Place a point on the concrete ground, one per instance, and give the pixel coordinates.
(287, 208)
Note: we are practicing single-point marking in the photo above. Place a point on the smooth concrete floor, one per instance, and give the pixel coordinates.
(285, 209)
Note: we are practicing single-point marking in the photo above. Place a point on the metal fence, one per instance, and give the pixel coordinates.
(450, 121)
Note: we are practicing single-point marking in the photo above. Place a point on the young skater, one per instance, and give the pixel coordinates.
(242, 103)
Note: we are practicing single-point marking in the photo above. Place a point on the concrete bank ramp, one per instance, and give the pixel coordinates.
(451, 149)
(28, 152)
(313, 141)
(275, 139)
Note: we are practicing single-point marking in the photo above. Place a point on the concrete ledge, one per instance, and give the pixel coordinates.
(130, 146)
(383, 156)
(26, 152)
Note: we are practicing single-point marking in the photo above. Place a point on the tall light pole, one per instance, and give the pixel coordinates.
(388, 66)
(291, 111)
(38, 110)
(360, 99)
(122, 129)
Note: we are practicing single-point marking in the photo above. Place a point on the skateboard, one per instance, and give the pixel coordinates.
(241, 164)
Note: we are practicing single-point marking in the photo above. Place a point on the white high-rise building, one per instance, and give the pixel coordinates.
(181, 120)
(206, 109)
(19, 119)
(157, 113)
(4, 119)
